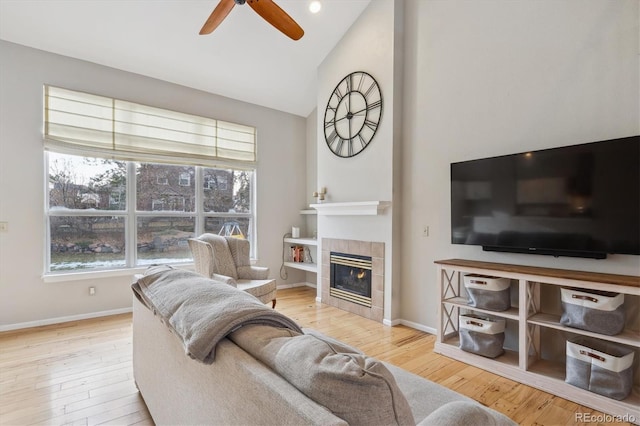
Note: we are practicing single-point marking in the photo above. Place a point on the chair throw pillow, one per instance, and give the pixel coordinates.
(357, 388)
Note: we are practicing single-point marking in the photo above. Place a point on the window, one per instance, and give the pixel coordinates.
(222, 183)
(91, 225)
(122, 181)
(185, 179)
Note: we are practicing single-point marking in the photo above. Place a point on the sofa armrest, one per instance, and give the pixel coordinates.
(225, 279)
(253, 272)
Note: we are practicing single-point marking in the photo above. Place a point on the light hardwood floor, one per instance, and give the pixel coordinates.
(80, 373)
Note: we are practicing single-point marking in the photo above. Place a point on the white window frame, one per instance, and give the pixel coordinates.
(131, 216)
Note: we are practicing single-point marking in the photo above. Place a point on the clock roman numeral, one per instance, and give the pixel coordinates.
(373, 105)
(332, 137)
(366, 94)
(338, 149)
(370, 124)
(363, 141)
(362, 76)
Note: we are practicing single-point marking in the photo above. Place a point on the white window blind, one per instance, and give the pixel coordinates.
(126, 130)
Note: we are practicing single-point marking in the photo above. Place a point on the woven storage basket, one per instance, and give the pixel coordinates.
(601, 367)
(597, 311)
(487, 292)
(481, 335)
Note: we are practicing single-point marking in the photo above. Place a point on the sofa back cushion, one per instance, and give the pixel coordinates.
(355, 387)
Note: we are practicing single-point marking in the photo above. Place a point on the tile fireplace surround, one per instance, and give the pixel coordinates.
(362, 248)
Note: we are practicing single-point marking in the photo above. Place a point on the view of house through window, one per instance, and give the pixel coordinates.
(111, 214)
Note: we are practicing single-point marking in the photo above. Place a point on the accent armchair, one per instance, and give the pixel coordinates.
(226, 259)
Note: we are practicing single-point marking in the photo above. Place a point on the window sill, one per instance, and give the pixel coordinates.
(91, 275)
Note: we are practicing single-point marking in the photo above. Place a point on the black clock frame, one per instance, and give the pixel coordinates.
(346, 91)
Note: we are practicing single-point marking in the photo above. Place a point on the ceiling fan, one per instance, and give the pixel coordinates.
(271, 12)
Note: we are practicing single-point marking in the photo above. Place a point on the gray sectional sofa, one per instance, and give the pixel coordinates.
(261, 374)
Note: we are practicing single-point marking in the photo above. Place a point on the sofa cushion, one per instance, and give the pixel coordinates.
(355, 387)
(458, 413)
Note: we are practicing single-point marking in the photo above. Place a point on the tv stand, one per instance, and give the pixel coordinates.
(536, 341)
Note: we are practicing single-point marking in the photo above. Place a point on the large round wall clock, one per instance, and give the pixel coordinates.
(353, 113)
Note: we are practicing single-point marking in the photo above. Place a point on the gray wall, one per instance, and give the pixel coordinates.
(25, 298)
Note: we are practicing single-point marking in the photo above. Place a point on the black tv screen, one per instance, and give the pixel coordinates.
(580, 200)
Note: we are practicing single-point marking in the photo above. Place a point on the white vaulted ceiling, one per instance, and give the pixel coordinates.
(245, 58)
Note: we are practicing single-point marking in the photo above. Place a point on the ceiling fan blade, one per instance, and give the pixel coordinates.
(273, 14)
(217, 16)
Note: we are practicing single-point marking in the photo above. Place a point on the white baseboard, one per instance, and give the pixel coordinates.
(418, 326)
(303, 284)
(411, 324)
(39, 323)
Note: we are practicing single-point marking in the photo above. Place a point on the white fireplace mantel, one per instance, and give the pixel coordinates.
(356, 208)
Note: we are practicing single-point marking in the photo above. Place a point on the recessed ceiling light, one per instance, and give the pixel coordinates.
(315, 6)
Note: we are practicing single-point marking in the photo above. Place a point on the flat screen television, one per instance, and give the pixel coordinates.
(580, 200)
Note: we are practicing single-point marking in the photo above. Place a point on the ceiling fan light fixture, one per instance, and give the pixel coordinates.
(315, 6)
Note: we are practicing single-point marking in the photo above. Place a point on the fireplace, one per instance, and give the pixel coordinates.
(351, 278)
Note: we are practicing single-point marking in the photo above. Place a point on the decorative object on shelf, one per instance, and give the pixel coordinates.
(297, 253)
(597, 311)
(487, 292)
(353, 114)
(295, 232)
(319, 194)
(601, 367)
(482, 335)
(307, 255)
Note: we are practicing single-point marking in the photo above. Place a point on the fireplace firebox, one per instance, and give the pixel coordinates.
(351, 278)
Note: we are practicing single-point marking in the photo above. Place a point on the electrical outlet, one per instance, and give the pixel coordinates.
(4, 226)
(425, 231)
(92, 291)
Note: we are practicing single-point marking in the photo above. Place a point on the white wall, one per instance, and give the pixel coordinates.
(24, 297)
(492, 77)
(369, 176)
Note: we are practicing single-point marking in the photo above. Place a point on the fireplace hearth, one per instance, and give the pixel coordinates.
(351, 278)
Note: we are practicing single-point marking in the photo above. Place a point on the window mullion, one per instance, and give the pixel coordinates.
(199, 205)
(131, 232)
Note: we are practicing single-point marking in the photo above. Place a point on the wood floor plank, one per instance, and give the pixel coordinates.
(80, 373)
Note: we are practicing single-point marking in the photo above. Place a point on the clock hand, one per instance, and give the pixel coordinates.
(358, 112)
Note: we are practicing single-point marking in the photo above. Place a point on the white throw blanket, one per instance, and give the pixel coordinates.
(201, 311)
